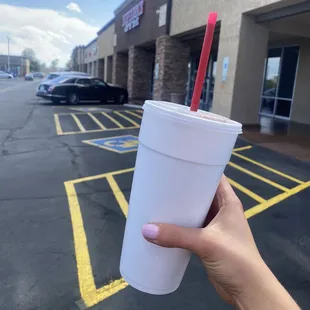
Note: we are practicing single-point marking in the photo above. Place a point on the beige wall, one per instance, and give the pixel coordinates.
(245, 43)
(106, 48)
(88, 49)
(106, 42)
(191, 14)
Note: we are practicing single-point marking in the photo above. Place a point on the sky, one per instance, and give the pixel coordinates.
(52, 28)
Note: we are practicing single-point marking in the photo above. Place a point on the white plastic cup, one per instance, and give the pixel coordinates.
(181, 158)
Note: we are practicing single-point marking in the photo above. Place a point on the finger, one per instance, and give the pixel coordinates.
(173, 236)
(225, 195)
(224, 189)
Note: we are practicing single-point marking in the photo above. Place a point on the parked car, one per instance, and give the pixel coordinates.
(74, 89)
(29, 77)
(38, 75)
(5, 75)
(54, 75)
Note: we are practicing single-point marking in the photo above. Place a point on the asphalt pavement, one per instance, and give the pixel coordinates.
(66, 175)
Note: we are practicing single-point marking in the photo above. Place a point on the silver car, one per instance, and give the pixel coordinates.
(4, 75)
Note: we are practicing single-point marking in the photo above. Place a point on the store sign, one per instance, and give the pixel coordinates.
(225, 69)
(131, 19)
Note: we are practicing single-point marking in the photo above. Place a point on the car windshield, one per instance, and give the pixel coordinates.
(52, 76)
(60, 79)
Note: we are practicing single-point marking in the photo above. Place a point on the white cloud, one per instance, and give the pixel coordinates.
(49, 33)
(72, 6)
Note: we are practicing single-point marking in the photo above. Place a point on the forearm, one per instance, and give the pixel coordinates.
(265, 293)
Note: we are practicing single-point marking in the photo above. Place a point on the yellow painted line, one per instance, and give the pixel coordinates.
(127, 118)
(268, 168)
(57, 124)
(139, 111)
(79, 124)
(240, 149)
(84, 269)
(108, 290)
(76, 113)
(100, 176)
(113, 120)
(97, 130)
(96, 120)
(254, 175)
(119, 196)
(246, 191)
(275, 200)
(134, 114)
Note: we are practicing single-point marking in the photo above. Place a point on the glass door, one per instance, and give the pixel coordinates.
(206, 98)
(279, 82)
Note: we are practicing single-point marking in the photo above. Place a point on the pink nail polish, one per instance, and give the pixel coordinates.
(150, 231)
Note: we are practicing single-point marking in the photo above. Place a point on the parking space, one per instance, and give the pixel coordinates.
(259, 185)
(64, 200)
(96, 121)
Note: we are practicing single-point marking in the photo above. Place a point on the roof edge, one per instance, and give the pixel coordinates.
(106, 26)
(122, 6)
(91, 42)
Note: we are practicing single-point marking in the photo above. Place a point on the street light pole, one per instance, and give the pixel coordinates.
(9, 53)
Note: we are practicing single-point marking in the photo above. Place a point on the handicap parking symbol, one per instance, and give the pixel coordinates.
(121, 144)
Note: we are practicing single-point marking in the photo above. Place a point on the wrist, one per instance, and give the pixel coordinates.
(264, 292)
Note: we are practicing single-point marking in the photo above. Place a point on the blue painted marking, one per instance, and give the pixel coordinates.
(121, 144)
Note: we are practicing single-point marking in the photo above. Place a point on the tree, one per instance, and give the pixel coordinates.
(69, 65)
(29, 53)
(54, 63)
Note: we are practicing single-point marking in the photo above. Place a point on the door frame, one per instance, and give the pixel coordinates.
(276, 98)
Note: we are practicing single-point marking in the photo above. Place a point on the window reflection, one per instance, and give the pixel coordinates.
(272, 72)
(279, 81)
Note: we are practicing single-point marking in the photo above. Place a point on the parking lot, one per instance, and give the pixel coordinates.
(66, 180)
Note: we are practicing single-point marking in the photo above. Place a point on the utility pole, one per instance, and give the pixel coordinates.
(9, 53)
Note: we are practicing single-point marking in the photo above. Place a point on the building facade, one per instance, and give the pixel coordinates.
(105, 43)
(18, 65)
(91, 58)
(77, 59)
(259, 61)
(138, 26)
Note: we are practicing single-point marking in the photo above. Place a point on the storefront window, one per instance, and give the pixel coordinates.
(272, 72)
(206, 98)
(279, 81)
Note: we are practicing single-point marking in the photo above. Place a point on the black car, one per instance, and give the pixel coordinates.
(74, 89)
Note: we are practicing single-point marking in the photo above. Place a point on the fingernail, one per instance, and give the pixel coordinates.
(150, 231)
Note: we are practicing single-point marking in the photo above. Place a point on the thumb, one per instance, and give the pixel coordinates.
(173, 236)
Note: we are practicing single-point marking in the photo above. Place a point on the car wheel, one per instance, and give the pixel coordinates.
(120, 99)
(73, 98)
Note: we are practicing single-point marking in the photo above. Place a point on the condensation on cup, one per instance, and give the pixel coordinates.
(181, 158)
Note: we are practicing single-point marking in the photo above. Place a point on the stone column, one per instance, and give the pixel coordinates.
(108, 69)
(101, 64)
(140, 65)
(245, 43)
(120, 69)
(172, 57)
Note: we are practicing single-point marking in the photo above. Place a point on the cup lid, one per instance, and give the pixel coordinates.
(200, 118)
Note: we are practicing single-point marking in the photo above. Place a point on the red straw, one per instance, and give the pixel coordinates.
(204, 59)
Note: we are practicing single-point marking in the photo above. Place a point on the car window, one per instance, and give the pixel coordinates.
(98, 82)
(52, 76)
(83, 81)
(70, 81)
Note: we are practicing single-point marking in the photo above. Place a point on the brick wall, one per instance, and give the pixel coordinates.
(172, 57)
(120, 69)
(140, 65)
